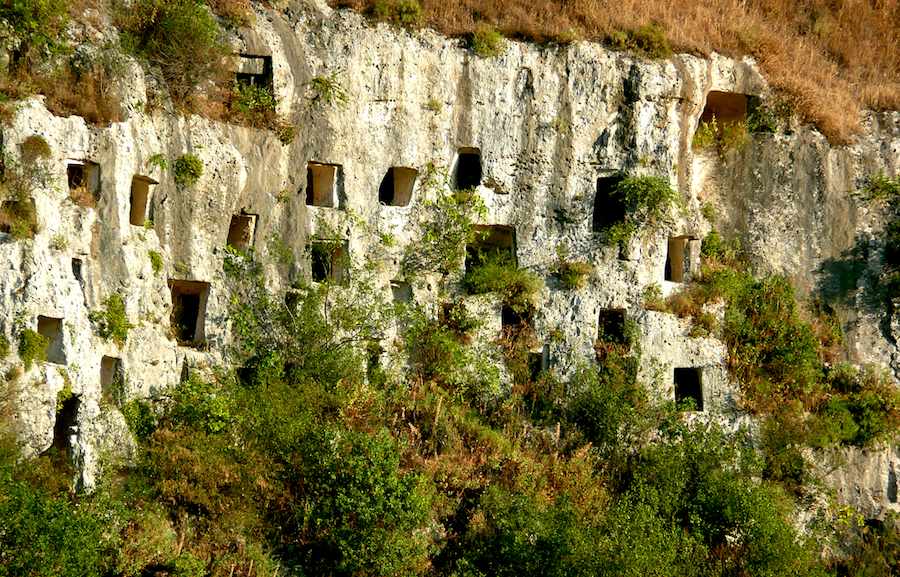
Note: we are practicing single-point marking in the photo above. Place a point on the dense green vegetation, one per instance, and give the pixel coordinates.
(312, 460)
(646, 201)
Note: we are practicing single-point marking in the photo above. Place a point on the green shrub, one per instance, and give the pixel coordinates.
(401, 12)
(254, 105)
(45, 536)
(327, 90)
(649, 40)
(574, 274)
(864, 407)
(879, 187)
(188, 169)
(140, 417)
(606, 404)
(35, 147)
(4, 346)
(159, 161)
(521, 534)
(496, 272)
(447, 227)
(37, 27)
(156, 261)
(723, 136)
(647, 201)
(487, 42)
(32, 347)
(200, 405)
(112, 322)
(181, 37)
(360, 514)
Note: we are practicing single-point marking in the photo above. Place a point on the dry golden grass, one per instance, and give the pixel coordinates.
(829, 58)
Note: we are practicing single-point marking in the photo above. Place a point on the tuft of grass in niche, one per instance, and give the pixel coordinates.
(496, 272)
(32, 347)
(572, 274)
(327, 90)
(722, 136)
(159, 161)
(236, 13)
(112, 322)
(181, 37)
(647, 201)
(59, 242)
(649, 40)
(156, 261)
(35, 147)
(406, 13)
(486, 41)
(188, 169)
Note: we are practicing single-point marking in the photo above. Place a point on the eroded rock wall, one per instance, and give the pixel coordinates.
(548, 122)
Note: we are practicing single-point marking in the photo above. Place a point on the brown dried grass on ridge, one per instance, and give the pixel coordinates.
(830, 58)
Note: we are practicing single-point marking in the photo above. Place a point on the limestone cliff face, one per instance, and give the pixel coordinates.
(548, 122)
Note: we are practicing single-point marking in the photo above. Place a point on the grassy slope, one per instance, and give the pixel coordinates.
(829, 59)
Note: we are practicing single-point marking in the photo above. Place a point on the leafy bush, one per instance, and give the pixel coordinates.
(17, 211)
(574, 274)
(496, 272)
(32, 347)
(327, 90)
(723, 136)
(140, 418)
(401, 12)
(487, 42)
(156, 261)
(188, 170)
(4, 346)
(649, 40)
(773, 351)
(35, 147)
(254, 105)
(112, 322)
(179, 36)
(879, 187)
(199, 405)
(606, 404)
(448, 226)
(647, 201)
(37, 27)
(45, 536)
(360, 514)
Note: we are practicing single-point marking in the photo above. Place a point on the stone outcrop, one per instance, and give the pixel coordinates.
(547, 123)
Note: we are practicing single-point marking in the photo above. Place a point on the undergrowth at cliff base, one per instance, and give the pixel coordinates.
(305, 461)
(785, 357)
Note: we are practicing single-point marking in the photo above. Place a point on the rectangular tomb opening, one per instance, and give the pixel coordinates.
(52, 329)
(688, 388)
(725, 107)
(608, 206)
(329, 260)
(188, 319)
(241, 230)
(397, 186)
(111, 376)
(84, 181)
(140, 197)
(491, 241)
(321, 184)
(468, 171)
(254, 70)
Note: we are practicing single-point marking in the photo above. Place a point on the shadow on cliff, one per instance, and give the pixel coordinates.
(853, 281)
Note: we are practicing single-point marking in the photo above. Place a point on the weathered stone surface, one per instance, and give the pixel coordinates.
(548, 122)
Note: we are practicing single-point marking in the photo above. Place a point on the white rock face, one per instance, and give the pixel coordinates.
(548, 122)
